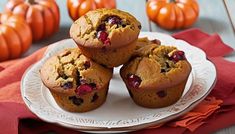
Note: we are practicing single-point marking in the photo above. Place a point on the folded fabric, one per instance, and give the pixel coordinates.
(213, 113)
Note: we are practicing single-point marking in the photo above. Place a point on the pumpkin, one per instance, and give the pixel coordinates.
(15, 36)
(77, 8)
(43, 16)
(173, 14)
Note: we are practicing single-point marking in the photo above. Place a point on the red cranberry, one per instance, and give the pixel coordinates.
(103, 36)
(133, 80)
(177, 55)
(85, 88)
(161, 93)
(67, 85)
(114, 20)
(107, 42)
(87, 64)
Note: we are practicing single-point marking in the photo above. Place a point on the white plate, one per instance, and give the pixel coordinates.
(119, 113)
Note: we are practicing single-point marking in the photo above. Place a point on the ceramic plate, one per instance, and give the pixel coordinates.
(119, 113)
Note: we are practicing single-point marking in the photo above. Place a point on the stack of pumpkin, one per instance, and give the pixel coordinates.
(24, 22)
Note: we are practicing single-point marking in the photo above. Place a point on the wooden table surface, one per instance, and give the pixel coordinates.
(217, 16)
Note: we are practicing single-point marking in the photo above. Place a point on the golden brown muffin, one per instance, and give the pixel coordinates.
(156, 75)
(106, 33)
(142, 42)
(77, 83)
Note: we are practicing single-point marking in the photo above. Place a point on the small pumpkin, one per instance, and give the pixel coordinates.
(43, 16)
(173, 14)
(15, 36)
(77, 8)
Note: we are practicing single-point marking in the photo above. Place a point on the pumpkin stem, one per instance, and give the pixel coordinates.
(31, 1)
(171, 1)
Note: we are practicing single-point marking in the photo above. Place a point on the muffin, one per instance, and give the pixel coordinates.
(156, 75)
(143, 41)
(108, 36)
(77, 83)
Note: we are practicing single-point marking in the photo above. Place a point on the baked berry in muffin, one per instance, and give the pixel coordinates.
(156, 75)
(108, 36)
(77, 83)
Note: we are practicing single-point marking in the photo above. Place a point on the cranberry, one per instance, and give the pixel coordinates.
(177, 55)
(101, 27)
(95, 97)
(75, 100)
(161, 93)
(133, 80)
(107, 42)
(163, 70)
(114, 20)
(93, 85)
(84, 88)
(67, 85)
(103, 36)
(87, 64)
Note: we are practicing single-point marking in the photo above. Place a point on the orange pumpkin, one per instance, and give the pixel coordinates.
(15, 36)
(77, 8)
(43, 16)
(173, 14)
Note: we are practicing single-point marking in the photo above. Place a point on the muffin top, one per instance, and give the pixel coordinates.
(105, 28)
(156, 67)
(144, 41)
(71, 71)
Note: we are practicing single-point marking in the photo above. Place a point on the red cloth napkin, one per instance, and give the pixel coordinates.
(213, 113)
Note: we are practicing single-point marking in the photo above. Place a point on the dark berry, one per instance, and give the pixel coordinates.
(133, 80)
(114, 20)
(163, 70)
(156, 41)
(78, 78)
(95, 97)
(75, 100)
(161, 93)
(87, 64)
(83, 89)
(64, 76)
(139, 26)
(93, 85)
(101, 27)
(177, 55)
(167, 65)
(67, 85)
